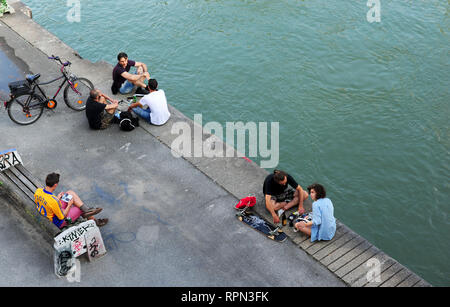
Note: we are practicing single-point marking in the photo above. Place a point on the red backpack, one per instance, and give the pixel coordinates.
(248, 201)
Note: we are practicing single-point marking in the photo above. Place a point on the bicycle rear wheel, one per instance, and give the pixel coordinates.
(75, 97)
(26, 109)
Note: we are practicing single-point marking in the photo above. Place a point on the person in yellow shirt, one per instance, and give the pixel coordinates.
(51, 206)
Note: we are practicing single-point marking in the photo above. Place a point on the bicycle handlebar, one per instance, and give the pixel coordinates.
(56, 58)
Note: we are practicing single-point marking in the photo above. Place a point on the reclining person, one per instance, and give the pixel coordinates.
(57, 211)
(279, 197)
(123, 81)
(98, 112)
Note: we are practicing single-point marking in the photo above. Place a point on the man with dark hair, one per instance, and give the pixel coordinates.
(98, 112)
(279, 197)
(123, 81)
(57, 210)
(157, 112)
(52, 179)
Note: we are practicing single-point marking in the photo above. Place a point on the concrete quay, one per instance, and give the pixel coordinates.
(172, 220)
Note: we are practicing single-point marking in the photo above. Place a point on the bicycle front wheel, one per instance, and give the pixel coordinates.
(76, 96)
(26, 109)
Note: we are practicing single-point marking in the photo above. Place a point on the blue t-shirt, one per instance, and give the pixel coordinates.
(324, 223)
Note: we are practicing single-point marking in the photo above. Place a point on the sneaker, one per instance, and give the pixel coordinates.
(101, 222)
(141, 90)
(91, 212)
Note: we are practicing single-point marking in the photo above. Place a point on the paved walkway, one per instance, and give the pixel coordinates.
(170, 224)
(171, 219)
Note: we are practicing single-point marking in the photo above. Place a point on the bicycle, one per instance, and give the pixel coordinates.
(28, 99)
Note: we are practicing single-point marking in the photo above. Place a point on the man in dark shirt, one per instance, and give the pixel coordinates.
(98, 112)
(279, 197)
(124, 81)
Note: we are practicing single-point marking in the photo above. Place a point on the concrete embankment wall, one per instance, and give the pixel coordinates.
(348, 255)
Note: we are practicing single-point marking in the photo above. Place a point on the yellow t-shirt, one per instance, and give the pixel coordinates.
(48, 205)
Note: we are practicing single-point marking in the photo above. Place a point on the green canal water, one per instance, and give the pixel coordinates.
(363, 107)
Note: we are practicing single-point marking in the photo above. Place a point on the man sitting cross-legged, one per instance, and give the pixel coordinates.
(279, 197)
(124, 81)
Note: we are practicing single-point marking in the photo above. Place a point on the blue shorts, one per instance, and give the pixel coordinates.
(126, 88)
(57, 221)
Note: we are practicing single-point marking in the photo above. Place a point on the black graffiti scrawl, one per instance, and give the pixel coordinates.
(9, 158)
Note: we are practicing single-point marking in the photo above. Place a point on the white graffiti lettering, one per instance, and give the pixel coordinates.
(8, 159)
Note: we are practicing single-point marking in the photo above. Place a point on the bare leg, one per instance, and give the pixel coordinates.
(76, 199)
(296, 199)
(277, 206)
(293, 202)
(110, 111)
(141, 80)
(301, 226)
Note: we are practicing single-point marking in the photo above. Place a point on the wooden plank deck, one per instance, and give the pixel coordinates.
(352, 258)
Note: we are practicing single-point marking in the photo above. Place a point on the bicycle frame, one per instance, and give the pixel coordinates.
(33, 98)
(37, 85)
(64, 75)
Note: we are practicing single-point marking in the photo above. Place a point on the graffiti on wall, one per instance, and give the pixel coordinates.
(9, 158)
(75, 236)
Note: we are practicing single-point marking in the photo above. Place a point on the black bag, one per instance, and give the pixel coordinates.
(18, 88)
(127, 122)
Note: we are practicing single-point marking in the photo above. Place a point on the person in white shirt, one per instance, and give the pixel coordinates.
(157, 112)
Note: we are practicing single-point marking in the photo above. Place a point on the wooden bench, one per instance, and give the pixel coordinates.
(17, 188)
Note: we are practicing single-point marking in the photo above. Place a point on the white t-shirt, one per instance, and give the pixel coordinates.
(157, 103)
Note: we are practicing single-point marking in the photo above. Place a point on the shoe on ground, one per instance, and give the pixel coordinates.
(141, 90)
(101, 222)
(91, 212)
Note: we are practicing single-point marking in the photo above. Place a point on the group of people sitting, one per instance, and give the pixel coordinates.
(67, 207)
(282, 193)
(101, 109)
(280, 189)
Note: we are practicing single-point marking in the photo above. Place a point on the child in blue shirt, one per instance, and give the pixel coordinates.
(323, 224)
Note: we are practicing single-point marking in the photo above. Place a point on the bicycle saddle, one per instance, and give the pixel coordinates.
(32, 78)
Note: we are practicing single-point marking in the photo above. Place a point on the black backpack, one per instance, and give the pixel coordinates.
(127, 122)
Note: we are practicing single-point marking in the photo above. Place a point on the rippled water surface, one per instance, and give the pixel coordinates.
(363, 107)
